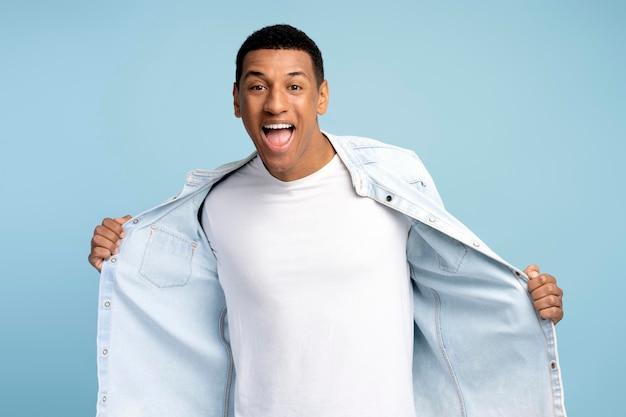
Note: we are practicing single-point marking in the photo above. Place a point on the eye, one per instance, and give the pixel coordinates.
(257, 87)
(295, 87)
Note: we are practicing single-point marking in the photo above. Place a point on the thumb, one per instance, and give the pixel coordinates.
(122, 220)
(532, 271)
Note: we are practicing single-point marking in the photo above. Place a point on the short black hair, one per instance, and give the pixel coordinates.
(281, 37)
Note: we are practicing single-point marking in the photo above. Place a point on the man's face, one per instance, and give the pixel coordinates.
(278, 101)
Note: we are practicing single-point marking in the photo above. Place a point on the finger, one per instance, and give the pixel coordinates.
(550, 306)
(548, 302)
(95, 262)
(547, 295)
(122, 220)
(541, 280)
(100, 253)
(97, 256)
(99, 241)
(532, 271)
(114, 225)
(549, 288)
(552, 313)
(103, 234)
(117, 227)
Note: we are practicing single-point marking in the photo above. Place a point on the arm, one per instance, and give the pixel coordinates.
(547, 296)
(106, 240)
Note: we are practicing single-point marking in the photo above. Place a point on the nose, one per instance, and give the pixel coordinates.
(276, 101)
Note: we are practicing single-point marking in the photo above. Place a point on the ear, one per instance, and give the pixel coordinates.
(236, 101)
(322, 98)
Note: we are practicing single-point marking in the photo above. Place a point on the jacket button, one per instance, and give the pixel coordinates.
(388, 198)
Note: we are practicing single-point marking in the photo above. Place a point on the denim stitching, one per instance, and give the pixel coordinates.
(443, 351)
(229, 376)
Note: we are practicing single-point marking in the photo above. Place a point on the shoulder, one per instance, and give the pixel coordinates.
(384, 164)
(362, 144)
(367, 153)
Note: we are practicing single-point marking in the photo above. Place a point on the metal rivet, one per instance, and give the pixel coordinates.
(104, 399)
(553, 364)
(388, 198)
(476, 244)
(517, 273)
(431, 219)
(105, 352)
(113, 260)
(135, 221)
(107, 303)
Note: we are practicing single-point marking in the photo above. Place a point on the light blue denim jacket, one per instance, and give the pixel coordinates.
(480, 348)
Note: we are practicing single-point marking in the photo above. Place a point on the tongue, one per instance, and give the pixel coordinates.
(278, 137)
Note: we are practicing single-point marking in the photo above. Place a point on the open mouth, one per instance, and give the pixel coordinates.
(278, 134)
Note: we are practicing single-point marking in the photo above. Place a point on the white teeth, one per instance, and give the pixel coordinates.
(278, 126)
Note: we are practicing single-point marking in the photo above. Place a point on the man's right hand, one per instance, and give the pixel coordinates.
(106, 240)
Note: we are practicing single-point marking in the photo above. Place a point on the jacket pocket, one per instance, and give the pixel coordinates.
(167, 259)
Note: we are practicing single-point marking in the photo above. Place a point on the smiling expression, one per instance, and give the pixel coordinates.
(278, 100)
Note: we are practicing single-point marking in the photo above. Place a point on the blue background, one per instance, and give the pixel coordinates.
(517, 108)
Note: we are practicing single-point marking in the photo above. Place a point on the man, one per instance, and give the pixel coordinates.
(350, 290)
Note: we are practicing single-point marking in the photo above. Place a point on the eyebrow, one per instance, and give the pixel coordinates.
(261, 74)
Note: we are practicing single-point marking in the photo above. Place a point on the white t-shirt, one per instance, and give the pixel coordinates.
(318, 295)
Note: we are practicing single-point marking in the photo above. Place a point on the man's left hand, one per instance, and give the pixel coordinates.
(547, 296)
